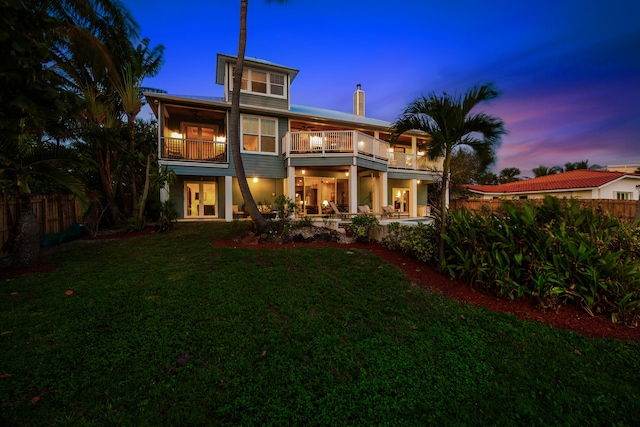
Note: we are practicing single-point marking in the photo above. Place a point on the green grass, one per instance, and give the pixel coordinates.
(167, 329)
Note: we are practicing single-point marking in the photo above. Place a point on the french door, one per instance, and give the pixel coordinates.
(200, 199)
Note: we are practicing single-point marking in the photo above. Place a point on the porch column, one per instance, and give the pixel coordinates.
(290, 190)
(228, 198)
(164, 193)
(375, 189)
(353, 188)
(160, 128)
(384, 191)
(413, 203)
(414, 150)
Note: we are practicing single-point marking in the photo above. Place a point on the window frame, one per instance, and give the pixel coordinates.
(624, 195)
(247, 82)
(260, 134)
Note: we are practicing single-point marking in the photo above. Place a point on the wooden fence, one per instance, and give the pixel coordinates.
(623, 209)
(55, 213)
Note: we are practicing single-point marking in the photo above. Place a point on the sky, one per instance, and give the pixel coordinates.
(568, 71)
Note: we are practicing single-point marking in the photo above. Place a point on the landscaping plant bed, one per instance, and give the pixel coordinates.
(567, 317)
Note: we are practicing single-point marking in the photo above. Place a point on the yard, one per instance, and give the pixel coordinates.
(170, 329)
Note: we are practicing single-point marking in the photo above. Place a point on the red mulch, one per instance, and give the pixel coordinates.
(567, 317)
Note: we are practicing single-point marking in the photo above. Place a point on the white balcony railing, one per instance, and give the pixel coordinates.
(331, 142)
(193, 149)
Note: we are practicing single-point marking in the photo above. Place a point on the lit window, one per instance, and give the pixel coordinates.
(258, 82)
(259, 134)
(277, 84)
(262, 82)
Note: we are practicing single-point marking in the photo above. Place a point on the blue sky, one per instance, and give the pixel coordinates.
(569, 71)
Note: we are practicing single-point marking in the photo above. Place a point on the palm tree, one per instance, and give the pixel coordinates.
(19, 164)
(582, 164)
(544, 170)
(142, 62)
(449, 122)
(259, 222)
(508, 175)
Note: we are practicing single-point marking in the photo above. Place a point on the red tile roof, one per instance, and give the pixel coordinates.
(576, 179)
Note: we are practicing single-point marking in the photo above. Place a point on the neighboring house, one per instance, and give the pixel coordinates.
(577, 184)
(311, 155)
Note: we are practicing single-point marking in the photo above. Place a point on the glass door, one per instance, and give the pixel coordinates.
(200, 199)
(401, 199)
(313, 194)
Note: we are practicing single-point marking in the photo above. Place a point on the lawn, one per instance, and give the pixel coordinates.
(168, 329)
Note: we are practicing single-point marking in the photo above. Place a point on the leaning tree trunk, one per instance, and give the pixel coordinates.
(259, 222)
(26, 246)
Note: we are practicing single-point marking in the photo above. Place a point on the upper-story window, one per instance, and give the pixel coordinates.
(263, 82)
(259, 134)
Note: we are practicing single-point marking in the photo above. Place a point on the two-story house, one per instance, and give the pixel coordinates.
(311, 155)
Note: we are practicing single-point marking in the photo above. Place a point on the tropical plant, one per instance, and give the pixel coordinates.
(142, 62)
(450, 123)
(20, 163)
(556, 252)
(508, 175)
(582, 164)
(544, 170)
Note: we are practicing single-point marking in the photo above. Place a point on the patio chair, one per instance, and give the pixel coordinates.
(391, 212)
(364, 210)
(342, 215)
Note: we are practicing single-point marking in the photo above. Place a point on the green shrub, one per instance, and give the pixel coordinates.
(419, 241)
(305, 221)
(285, 207)
(557, 252)
(361, 227)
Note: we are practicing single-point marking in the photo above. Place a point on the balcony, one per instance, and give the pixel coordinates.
(334, 143)
(193, 149)
(414, 162)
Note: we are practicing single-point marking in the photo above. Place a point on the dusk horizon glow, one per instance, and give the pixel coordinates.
(569, 71)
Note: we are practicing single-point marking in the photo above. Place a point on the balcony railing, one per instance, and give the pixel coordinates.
(194, 149)
(332, 142)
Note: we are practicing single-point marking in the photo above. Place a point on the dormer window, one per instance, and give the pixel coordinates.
(263, 82)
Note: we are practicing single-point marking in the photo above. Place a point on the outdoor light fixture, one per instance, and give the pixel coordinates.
(303, 171)
(418, 181)
(346, 173)
(255, 179)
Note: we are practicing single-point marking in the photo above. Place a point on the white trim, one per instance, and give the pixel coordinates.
(171, 163)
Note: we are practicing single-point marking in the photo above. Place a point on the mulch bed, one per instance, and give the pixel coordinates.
(567, 317)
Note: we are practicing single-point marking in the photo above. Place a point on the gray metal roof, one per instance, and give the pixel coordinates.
(337, 115)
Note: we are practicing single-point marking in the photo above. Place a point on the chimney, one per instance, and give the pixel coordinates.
(358, 101)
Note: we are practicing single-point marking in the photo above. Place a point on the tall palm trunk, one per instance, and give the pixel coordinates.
(132, 165)
(259, 222)
(26, 246)
(443, 207)
(104, 169)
